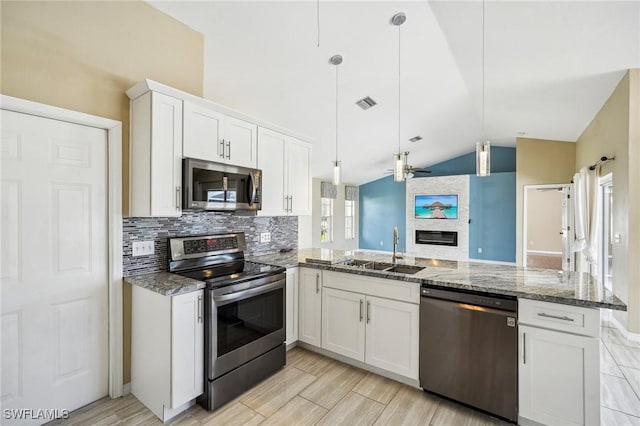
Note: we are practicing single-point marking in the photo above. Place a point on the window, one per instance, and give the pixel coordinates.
(326, 220)
(349, 220)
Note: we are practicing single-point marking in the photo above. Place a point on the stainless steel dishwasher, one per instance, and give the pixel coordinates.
(469, 349)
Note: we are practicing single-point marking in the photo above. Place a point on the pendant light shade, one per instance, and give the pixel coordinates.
(399, 165)
(398, 168)
(483, 158)
(337, 172)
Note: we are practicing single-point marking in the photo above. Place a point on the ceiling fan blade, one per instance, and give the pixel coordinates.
(421, 171)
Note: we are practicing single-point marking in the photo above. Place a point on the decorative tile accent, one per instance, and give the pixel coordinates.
(440, 185)
(284, 234)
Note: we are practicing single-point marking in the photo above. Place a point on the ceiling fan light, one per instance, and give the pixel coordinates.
(398, 168)
(483, 158)
(337, 172)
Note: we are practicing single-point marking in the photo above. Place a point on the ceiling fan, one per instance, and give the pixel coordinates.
(410, 171)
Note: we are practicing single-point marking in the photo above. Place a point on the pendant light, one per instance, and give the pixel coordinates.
(336, 60)
(399, 165)
(483, 148)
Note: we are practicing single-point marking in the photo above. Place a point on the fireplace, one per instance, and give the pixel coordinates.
(439, 238)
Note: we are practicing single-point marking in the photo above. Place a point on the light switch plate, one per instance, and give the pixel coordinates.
(265, 237)
(142, 248)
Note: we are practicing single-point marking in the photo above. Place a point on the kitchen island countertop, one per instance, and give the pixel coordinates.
(569, 288)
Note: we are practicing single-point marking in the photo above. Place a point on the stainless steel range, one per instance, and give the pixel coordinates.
(244, 313)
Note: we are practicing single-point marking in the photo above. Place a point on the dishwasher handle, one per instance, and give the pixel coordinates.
(505, 303)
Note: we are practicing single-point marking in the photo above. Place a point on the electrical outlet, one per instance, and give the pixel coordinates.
(479, 249)
(265, 237)
(142, 248)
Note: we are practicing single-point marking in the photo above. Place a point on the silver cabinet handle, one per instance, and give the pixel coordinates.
(564, 318)
(361, 305)
(228, 150)
(524, 348)
(317, 283)
(368, 311)
(178, 201)
(221, 149)
(291, 201)
(199, 308)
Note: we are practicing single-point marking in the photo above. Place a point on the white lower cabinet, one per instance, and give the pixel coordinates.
(375, 330)
(559, 372)
(292, 305)
(167, 350)
(310, 303)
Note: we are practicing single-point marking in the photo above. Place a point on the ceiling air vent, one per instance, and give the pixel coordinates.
(366, 103)
(415, 139)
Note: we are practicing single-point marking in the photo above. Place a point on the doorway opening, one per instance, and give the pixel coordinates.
(547, 226)
(607, 236)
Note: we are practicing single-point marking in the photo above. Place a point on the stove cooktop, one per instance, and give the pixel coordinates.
(233, 273)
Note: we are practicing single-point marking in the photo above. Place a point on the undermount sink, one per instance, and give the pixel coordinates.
(382, 266)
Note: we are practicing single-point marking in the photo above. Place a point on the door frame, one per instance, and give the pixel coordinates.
(524, 213)
(114, 222)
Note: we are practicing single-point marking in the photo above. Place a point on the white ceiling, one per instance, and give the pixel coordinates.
(549, 67)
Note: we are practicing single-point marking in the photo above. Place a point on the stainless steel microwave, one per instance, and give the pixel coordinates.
(220, 187)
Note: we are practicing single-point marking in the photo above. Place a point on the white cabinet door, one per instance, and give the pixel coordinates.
(203, 137)
(299, 177)
(310, 302)
(343, 323)
(392, 336)
(558, 374)
(240, 142)
(166, 156)
(271, 160)
(187, 347)
(292, 305)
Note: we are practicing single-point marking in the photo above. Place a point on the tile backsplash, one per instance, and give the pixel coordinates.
(284, 234)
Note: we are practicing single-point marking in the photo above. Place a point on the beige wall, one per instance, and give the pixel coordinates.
(540, 162)
(614, 131)
(84, 55)
(544, 220)
(339, 242)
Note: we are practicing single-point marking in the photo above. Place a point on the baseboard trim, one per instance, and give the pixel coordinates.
(634, 337)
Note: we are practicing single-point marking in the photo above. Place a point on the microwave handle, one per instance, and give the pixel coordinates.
(252, 188)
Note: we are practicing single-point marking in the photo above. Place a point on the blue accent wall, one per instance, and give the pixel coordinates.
(382, 206)
(492, 206)
(492, 211)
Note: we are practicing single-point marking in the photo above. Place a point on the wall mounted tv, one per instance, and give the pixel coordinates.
(436, 207)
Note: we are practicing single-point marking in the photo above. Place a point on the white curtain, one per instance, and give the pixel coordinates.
(580, 210)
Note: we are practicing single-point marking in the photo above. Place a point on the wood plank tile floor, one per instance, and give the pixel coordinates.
(313, 389)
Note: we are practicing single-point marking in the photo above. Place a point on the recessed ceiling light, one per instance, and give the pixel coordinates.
(415, 138)
(366, 103)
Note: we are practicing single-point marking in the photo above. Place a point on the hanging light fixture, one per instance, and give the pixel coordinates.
(336, 60)
(483, 148)
(399, 164)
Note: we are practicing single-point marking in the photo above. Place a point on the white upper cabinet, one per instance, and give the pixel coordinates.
(286, 174)
(156, 156)
(213, 136)
(203, 137)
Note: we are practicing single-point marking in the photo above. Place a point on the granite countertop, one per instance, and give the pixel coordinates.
(166, 283)
(569, 288)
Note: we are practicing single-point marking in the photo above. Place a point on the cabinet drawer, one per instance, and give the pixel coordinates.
(554, 316)
(389, 289)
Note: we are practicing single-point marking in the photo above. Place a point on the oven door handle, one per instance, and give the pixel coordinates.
(248, 292)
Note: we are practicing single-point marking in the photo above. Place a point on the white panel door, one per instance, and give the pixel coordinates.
(241, 139)
(310, 302)
(343, 323)
(187, 347)
(54, 264)
(271, 160)
(558, 375)
(203, 133)
(299, 177)
(393, 336)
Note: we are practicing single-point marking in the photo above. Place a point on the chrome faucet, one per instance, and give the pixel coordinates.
(396, 240)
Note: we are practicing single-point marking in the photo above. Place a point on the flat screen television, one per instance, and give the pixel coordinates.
(436, 206)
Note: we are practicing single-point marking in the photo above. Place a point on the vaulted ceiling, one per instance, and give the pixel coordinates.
(549, 67)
